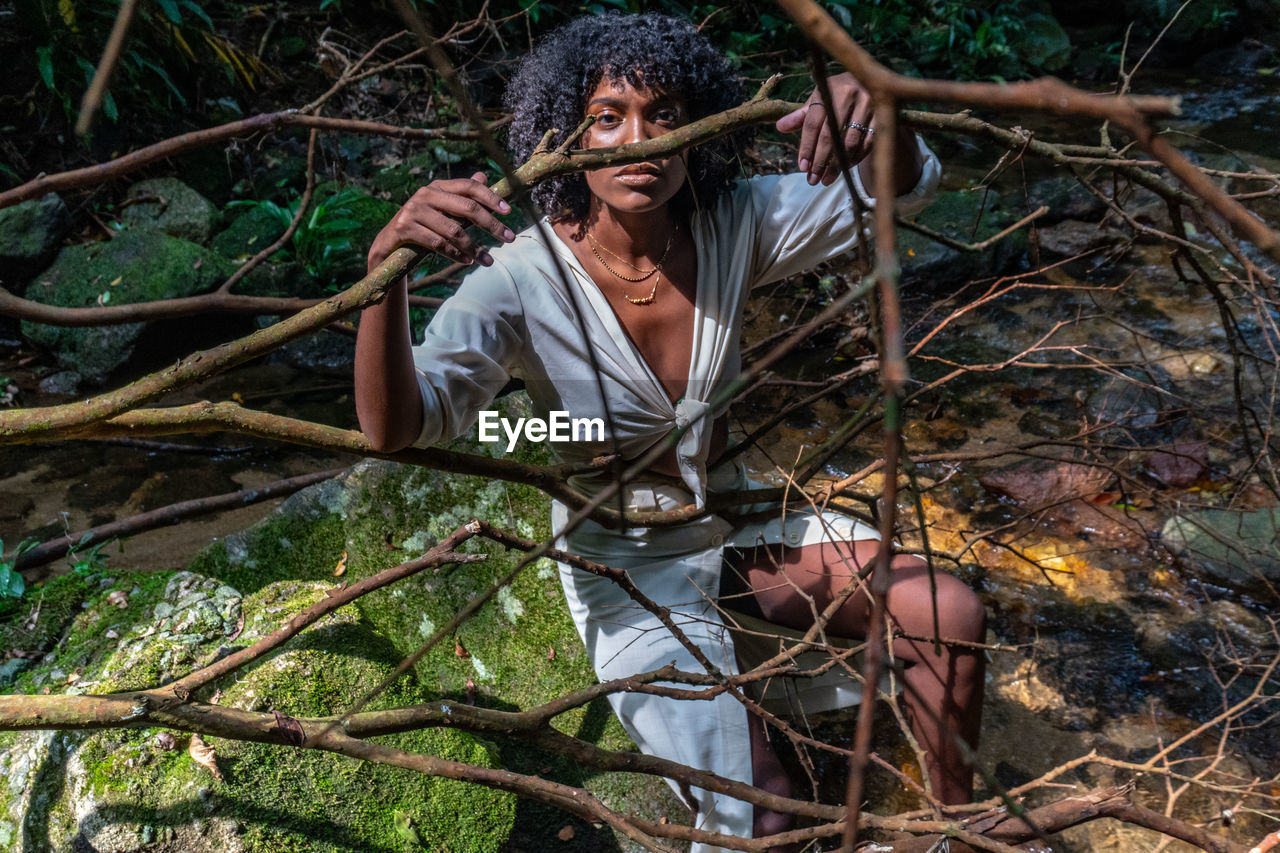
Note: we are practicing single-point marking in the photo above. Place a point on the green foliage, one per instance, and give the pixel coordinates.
(90, 561)
(334, 235)
(956, 38)
(12, 584)
(172, 49)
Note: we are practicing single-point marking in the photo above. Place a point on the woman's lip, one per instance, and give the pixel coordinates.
(637, 179)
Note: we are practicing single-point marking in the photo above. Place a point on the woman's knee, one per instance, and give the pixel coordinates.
(966, 617)
(922, 604)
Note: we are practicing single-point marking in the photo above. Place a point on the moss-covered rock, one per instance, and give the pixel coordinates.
(137, 266)
(29, 236)
(257, 227)
(169, 205)
(127, 790)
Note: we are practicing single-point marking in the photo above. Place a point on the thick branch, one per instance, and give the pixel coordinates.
(266, 123)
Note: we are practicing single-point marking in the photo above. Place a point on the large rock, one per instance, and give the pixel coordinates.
(122, 791)
(1071, 237)
(1066, 198)
(1236, 549)
(137, 266)
(169, 205)
(134, 790)
(967, 216)
(253, 230)
(29, 236)
(1043, 43)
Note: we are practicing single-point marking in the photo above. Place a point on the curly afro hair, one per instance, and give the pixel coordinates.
(550, 90)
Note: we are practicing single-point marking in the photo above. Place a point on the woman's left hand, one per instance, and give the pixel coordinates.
(854, 115)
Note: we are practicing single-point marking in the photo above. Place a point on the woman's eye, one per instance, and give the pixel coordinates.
(607, 119)
(667, 116)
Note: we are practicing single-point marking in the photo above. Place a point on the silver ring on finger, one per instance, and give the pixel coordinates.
(855, 125)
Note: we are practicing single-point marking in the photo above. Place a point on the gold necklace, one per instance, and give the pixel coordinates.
(596, 245)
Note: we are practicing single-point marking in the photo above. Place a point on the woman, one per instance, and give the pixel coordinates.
(592, 314)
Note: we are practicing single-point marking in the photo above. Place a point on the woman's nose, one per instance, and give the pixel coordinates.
(638, 130)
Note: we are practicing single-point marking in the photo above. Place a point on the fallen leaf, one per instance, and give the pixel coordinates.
(217, 694)
(73, 678)
(119, 598)
(469, 692)
(402, 822)
(111, 634)
(199, 263)
(239, 627)
(203, 755)
(565, 833)
(342, 566)
(459, 649)
(115, 281)
(166, 740)
(551, 652)
(237, 397)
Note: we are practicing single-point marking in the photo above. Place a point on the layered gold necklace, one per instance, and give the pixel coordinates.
(655, 271)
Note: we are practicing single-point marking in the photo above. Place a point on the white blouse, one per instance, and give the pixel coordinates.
(518, 318)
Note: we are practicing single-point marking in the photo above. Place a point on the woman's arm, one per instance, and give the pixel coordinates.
(388, 398)
(854, 113)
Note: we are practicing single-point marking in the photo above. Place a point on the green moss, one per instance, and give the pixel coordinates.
(122, 787)
(136, 266)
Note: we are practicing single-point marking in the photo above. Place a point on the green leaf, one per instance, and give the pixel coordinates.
(11, 583)
(171, 10)
(331, 225)
(109, 107)
(163, 75)
(198, 11)
(44, 60)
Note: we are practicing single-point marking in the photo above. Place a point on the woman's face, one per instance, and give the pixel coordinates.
(624, 114)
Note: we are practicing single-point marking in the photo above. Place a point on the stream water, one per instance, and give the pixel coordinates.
(1121, 647)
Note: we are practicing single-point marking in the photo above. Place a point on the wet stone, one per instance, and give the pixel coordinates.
(1130, 402)
(1240, 550)
(1072, 237)
(64, 382)
(1180, 465)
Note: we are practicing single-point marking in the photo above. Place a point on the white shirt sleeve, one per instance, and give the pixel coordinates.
(469, 350)
(799, 226)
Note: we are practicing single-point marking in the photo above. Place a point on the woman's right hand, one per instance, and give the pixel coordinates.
(431, 220)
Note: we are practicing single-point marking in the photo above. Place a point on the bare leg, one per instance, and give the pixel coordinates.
(768, 774)
(943, 694)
